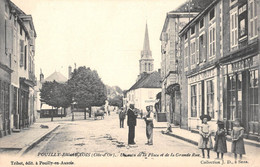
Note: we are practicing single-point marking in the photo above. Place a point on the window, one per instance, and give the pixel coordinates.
(253, 96)
(210, 98)
(186, 36)
(145, 67)
(21, 30)
(201, 23)
(212, 40)
(202, 49)
(212, 14)
(21, 52)
(232, 2)
(186, 61)
(193, 55)
(232, 97)
(193, 101)
(199, 99)
(25, 57)
(233, 28)
(252, 19)
(192, 31)
(6, 8)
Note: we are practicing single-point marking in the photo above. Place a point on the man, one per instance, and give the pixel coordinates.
(149, 125)
(131, 123)
(122, 117)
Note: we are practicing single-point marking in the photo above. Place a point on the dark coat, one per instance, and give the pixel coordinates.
(131, 118)
(121, 114)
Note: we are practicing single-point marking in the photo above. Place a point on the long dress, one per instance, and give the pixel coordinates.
(149, 127)
(238, 146)
(220, 141)
(205, 142)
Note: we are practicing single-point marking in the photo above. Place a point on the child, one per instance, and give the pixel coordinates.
(220, 140)
(205, 141)
(168, 130)
(237, 140)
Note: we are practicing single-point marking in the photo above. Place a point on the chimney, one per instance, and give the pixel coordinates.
(69, 72)
(159, 71)
(41, 77)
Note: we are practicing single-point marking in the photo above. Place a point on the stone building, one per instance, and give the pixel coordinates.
(19, 49)
(220, 53)
(174, 94)
(240, 66)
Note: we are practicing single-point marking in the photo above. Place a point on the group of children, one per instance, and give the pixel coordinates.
(220, 146)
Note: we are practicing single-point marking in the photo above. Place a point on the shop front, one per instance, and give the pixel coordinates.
(240, 85)
(203, 97)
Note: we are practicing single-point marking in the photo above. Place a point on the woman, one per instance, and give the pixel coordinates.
(205, 141)
(149, 125)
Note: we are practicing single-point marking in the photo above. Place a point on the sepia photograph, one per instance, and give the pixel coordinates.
(125, 83)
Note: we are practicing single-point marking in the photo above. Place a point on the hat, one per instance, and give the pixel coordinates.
(205, 116)
(220, 122)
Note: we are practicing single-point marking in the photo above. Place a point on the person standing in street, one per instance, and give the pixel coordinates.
(122, 117)
(149, 125)
(131, 123)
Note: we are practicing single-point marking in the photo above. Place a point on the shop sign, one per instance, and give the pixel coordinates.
(241, 65)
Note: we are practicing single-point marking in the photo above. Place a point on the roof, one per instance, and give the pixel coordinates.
(57, 76)
(187, 9)
(198, 17)
(146, 40)
(193, 6)
(151, 80)
(22, 15)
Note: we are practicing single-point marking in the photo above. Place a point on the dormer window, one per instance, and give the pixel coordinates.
(201, 23)
(212, 14)
(192, 30)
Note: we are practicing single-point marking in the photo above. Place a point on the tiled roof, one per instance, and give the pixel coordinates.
(148, 81)
(195, 6)
(57, 76)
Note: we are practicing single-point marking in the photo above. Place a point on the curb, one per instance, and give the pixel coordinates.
(35, 142)
(182, 138)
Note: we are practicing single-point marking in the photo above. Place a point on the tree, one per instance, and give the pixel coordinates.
(86, 88)
(55, 94)
(116, 101)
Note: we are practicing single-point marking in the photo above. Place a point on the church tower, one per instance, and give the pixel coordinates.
(146, 61)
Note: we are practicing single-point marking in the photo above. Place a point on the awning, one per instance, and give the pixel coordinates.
(172, 88)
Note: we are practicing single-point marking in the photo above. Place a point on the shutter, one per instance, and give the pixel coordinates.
(8, 37)
(31, 41)
(21, 52)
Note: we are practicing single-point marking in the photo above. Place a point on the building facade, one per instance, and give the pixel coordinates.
(174, 87)
(18, 45)
(171, 93)
(240, 66)
(220, 58)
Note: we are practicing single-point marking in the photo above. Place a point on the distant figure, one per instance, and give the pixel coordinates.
(106, 107)
(131, 123)
(149, 125)
(168, 130)
(238, 146)
(220, 140)
(205, 141)
(122, 117)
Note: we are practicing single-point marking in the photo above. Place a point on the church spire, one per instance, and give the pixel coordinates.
(146, 40)
(146, 61)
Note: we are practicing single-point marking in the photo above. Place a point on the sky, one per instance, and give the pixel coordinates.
(105, 35)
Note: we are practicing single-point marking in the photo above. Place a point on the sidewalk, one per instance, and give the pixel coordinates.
(252, 147)
(26, 139)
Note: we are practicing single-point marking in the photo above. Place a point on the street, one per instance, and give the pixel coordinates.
(105, 136)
